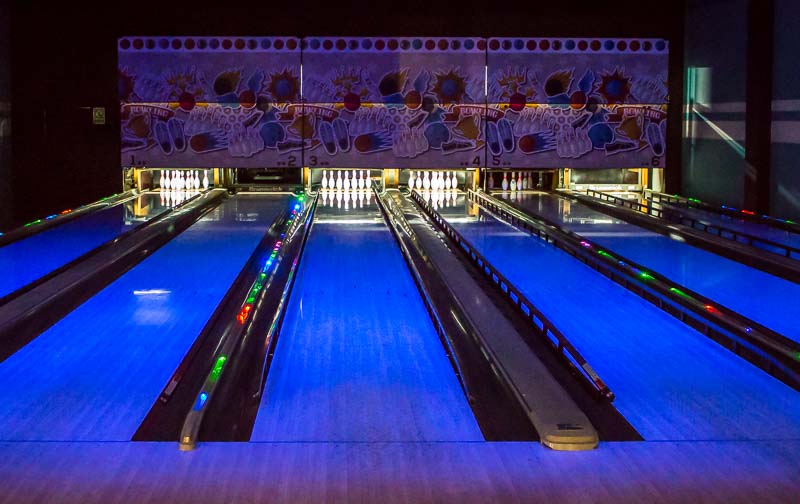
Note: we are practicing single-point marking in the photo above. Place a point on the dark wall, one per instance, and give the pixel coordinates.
(66, 62)
(716, 44)
(785, 172)
(6, 201)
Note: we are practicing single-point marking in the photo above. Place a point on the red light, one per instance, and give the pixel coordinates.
(244, 313)
(66, 211)
(710, 309)
(748, 212)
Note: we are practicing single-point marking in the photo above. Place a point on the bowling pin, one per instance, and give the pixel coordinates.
(490, 181)
(513, 183)
(426, 182)
(346, 182)
(411, 180)
(324, 180)
(339, 183)
(447, 182)
(530, 180)
(519, 181)
(505, 181)
(205, 180)
(165, 180)
(367, 182)
(453, 181)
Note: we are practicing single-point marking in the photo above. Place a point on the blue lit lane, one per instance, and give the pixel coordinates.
(358, 358)
(671, 382)
(744, 226)
(95, 374)
(26, 260)
(767, 299)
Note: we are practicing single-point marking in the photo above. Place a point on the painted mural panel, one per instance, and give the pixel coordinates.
(209, 102)
(396, 102)
(576, 103)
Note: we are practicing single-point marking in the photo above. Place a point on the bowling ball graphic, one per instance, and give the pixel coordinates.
(516, 102)
(436, 134)
(600, 135)
(352, 102)
(247, 99)
(578, 100)
(272, 133)
(186, 101)
(413, 100)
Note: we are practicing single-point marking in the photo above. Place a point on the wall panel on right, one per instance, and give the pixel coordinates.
(785, 171)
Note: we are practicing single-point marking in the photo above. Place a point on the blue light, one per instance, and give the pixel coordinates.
(297, 206)
(201, 401)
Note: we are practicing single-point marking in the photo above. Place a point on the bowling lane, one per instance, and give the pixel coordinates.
(744, 226)
(26, 260)
(775, 302)
(95, 374)
(358, 358)
(671, 382)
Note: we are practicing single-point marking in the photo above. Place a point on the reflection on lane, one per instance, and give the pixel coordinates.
(670, 381)
(767, 299)
(95, 374)
(24, 261)
(358, 358)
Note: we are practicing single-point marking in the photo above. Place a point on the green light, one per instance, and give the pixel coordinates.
(679, 292)
(251, 299)
(789, 222)
(214, 376)
(605, 254)
(694, 199)
(646, 275)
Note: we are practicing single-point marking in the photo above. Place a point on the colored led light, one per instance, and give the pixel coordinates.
(201, 401)
(244, 313)
(748, 329)
(605, 254)
(66, 211)
(748, 212)
(710, 309)
(789, 222)
(214, 376)
(646, 276)
(586, 244)
(679, 292)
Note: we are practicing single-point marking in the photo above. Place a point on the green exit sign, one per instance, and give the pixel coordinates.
(99, 115)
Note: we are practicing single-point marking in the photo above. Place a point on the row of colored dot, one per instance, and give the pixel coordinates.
(394, 44)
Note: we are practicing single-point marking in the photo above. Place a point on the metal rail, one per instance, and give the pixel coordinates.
(676, 216)
(235, 332)
(763, 347)
(768, 220)
(546, 328)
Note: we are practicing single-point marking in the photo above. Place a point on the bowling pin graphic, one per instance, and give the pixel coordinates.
(513, 183)
(505, 181)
